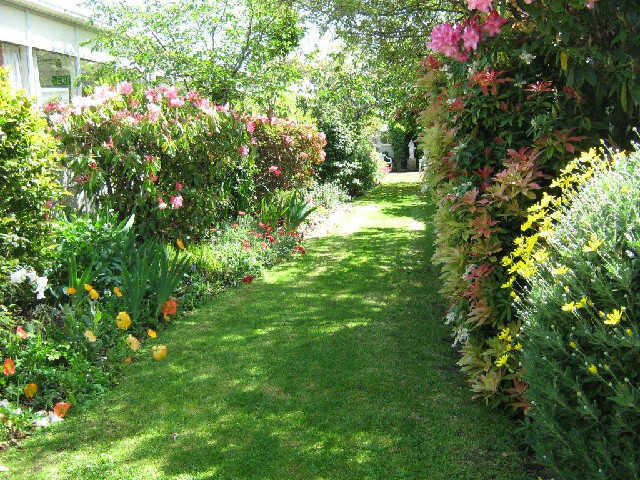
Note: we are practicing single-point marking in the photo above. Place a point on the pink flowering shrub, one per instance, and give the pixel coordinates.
(288, 153)
(180, 163)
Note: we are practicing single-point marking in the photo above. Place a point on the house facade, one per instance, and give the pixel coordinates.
(41, 45)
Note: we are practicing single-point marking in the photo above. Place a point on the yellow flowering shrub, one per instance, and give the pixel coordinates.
(577, 273)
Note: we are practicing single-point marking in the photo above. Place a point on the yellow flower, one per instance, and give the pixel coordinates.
(593, 369)
(88, 287)
(566, 289)
(151, 333)
(127, 360)
(561, 270)
(572, 344)
(614, 317)
(123, 320)
(504, 334)
(30, 390)
(117, 291)
(93, 294)
(180, 244)
(502, 361)
(569, 307)
(159, 351)
(513, 294)
(133, 343)
(625, 189)
(628, 332)
(582, 302)
(593, 244)
(88, 334)
(71, 291)
(518, 346)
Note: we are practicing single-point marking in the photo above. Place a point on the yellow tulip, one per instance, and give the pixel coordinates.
(180, 244)
(88, 287)
(123, 320)
(133, 343)
(159, 351)
(71, 291)
(152, 333)
(88, 334)
(94, 294)
(117, 291)
(30, 390)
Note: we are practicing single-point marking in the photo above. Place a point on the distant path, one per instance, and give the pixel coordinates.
(335, 365)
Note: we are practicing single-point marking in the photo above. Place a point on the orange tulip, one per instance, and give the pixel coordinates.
(8, 367)
(21, 332)
(169, 307)
(61, 408)
(30, 390)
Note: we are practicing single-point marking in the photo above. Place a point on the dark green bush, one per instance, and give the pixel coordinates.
(350, 158)
(581, 333)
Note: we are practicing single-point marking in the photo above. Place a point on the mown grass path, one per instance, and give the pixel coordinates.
(333, 366)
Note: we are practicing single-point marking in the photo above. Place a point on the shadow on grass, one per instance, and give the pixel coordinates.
(335, 366)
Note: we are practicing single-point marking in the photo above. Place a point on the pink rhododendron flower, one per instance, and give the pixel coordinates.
(178, 186)
(21, 332)
(176, 201)
(482, 5)
(248, 279)
(304, 155)
(246, 245)
(152, 95)
(494, 23)
(170, 92)
(287, 140)
(48, 204)
(470, 38)
(176, 102)
(148, 158)
(445, 38)
(591, 4)
(193, 95)
(323, 155)
(93, 165)
(108, 144)
(153, 112)
(153, 177)
(241, 213)
(126, 88)
(235, 225)
(251, 126)
(243, 151)
(254, 141)
(162, 205)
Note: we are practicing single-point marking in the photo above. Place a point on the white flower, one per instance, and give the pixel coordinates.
(53, 418)
(527, 57)
(32, 275)
(18, 276)
(41, 285)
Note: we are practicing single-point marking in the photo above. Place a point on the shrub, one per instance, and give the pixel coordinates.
(288, 153)
(351, 160)
(581, 331)
(180, 163)
(507, 92)
(28, 172)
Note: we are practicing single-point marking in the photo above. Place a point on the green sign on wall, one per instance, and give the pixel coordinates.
(61, 80)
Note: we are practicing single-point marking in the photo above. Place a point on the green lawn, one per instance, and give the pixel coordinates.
(335, 365)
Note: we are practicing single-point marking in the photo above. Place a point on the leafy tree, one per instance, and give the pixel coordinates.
(227, 49)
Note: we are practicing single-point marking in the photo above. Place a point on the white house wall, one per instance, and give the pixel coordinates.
(28, 28)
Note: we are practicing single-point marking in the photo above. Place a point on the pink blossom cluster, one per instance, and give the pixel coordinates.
(446, 38)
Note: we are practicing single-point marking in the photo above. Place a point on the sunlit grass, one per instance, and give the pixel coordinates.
(334, 366)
